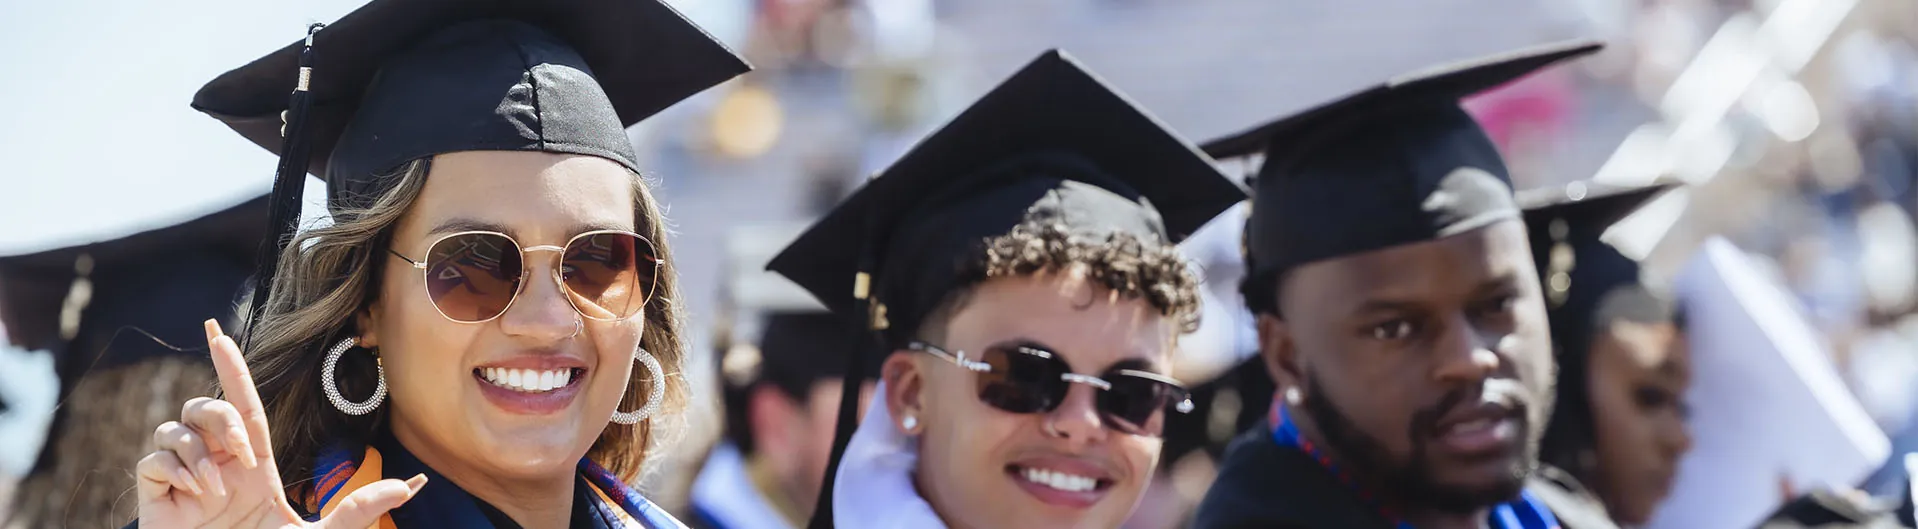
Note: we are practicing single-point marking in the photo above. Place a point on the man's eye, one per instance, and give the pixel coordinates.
(1392, 330)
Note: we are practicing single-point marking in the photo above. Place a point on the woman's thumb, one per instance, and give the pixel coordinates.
(364, 507)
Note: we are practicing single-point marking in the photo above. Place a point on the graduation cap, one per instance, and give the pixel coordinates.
(1767, 402)
(1053, 142)
(1396, 163)
(1588, 285)
(163, 281)
(402, 80)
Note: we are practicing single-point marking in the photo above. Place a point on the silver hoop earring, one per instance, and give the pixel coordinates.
(653, 396)
(332, 388)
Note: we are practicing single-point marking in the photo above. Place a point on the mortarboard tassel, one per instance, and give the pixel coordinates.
(864, 328)
(289, 183)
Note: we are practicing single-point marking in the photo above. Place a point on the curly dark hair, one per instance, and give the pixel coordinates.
(1129, 265)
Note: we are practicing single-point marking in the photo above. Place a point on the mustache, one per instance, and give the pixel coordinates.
(1505, 392)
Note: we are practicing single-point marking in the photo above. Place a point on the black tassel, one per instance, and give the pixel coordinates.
(866, 340)
(289, 184)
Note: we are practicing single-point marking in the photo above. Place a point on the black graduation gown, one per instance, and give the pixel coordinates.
(1264, 485)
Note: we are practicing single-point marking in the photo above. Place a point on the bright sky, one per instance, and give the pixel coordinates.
(99, 141)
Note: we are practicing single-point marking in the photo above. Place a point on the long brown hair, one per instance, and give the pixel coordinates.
(328, 274)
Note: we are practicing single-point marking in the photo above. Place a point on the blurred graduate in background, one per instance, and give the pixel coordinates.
(122, 317)
(1619, 423)
(782, 359)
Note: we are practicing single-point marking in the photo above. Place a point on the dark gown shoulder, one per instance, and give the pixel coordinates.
(1263, 484)
(1573, 505)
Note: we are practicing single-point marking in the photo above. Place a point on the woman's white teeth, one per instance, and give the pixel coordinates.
(1060, 480)
(527, 380)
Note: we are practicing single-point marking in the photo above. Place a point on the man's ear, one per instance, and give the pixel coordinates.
(1280, 353)
(905, 390)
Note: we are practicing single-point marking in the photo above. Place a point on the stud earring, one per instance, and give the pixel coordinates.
(1293, 397)
(909, 423)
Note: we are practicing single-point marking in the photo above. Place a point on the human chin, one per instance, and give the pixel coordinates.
(1465, 482)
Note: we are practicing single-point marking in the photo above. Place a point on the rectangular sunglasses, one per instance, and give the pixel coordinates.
(474, 276)
(1026, 379)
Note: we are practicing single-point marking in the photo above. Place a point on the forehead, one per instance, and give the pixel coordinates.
(1438, 269)
(1086, 324)
(1646, 346)
(532, 195)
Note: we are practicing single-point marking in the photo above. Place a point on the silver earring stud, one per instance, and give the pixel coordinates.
(1293, 397)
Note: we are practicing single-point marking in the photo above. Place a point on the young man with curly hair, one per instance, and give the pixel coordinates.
(1029, 297)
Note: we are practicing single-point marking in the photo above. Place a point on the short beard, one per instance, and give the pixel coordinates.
(1410, 483)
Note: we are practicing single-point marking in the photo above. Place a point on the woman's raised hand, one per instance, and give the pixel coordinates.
(214, 467)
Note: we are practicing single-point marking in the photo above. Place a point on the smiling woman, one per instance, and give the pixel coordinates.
(490, 317)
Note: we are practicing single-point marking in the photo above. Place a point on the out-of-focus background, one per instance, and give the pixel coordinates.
(1794, 122)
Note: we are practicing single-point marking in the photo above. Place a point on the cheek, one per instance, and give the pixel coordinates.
(1378, 397)
(964, 424)
(1623, 431)
(615, 348)
(617, 343)
(420, 350)
(1139, 452)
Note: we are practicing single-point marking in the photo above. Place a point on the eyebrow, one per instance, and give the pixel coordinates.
(1376, 306)
(1507, 280)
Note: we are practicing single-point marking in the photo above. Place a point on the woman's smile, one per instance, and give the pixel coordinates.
(533, 383)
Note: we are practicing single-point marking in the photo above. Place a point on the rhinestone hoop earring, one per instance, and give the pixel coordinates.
(653, 396)
(332, 388)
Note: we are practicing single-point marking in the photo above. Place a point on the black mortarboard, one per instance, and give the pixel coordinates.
(1582, 276)
(126, 292)
(1588, 284)
(1393, 164)
(1052, 142)
(399, 80)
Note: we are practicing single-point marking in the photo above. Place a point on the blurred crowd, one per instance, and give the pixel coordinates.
(1793, 122)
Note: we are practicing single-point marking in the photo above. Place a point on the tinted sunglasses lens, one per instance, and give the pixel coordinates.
(1137, 405)
(472, 277)
(1022, 380)
(608, 275)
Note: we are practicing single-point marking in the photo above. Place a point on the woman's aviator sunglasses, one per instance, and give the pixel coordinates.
(474, 276)
(1026, 379)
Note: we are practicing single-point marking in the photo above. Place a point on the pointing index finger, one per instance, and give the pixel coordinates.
(237, 382)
